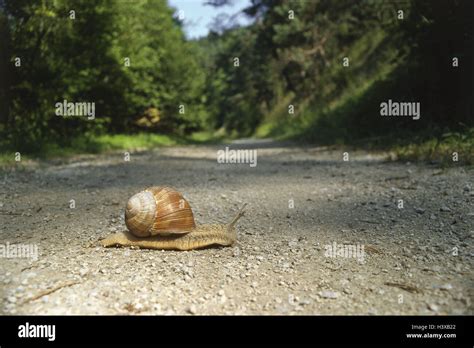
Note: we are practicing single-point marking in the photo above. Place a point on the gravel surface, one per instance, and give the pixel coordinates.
(303, 201)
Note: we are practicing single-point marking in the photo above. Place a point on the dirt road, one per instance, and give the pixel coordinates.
(403, 233)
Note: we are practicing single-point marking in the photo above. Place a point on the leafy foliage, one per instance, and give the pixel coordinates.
(293, 55)
(239, 81)
(84, 59)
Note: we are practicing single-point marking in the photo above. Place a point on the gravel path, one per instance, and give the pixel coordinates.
(303, 202)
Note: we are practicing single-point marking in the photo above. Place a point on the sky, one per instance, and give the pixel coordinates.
(198, 17)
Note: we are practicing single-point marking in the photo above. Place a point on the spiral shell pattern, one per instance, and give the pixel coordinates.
(158, 211)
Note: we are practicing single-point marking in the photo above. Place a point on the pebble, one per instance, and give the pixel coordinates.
(329, 294)
(420, 210)
(444, 209)
(446, 286)
(293, 243)
(11, 299)
(191, 309)
(433, 307)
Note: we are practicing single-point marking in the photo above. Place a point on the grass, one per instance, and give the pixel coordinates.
(208, 137)
(449, 149)
(96, 144)
(412, 147)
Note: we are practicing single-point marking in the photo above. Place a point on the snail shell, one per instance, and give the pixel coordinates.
(158, 211)
(160, 218)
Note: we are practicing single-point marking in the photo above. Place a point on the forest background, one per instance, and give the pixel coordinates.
(310, 71)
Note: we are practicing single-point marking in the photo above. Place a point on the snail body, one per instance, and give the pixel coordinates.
(160, 218)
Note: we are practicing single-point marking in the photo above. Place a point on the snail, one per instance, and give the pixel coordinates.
(160, 218)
